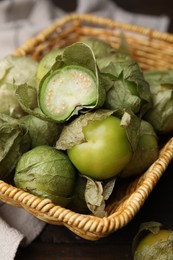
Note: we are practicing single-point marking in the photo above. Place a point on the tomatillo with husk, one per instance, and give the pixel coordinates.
(46, 173)
(153, 241)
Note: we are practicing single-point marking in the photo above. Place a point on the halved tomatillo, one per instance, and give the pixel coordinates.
(66, 91)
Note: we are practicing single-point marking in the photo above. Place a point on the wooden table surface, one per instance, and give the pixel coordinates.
(57, 242)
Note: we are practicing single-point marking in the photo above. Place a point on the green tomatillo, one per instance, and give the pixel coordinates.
(98, 145)
(153, 241)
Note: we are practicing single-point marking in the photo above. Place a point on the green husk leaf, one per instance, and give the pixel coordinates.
(23, 93)
(16, 71)
(96, 194)
(105, 63)
(131, 123)
(129, 89)
(79, 54)
(100, 48)
(163, 76)
(41, 132)
(72, 133)
(9, 103)
(161, 113)
(145, 146)
(14, 141)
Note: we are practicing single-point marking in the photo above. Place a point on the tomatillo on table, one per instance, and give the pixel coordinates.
(153, 241)
(104, 149)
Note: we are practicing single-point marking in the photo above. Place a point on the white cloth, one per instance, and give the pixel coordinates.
(17, 227)
(20, 20)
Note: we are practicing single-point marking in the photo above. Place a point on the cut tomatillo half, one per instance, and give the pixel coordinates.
(66, 91)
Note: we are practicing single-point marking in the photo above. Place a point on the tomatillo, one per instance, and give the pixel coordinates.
(151, 238)
(106, 149)
(153, 241)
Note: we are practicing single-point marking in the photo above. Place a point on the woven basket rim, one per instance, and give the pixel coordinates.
(93, 19)
(47, 211)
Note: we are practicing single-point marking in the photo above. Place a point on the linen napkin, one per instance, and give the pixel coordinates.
(17, 227)
(20, 20)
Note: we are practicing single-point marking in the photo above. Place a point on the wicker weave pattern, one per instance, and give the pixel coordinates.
(152, 50)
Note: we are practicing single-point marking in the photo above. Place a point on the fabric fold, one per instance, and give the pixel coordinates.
(10, 239)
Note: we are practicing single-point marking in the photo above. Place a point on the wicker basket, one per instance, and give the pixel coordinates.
(151, 49)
